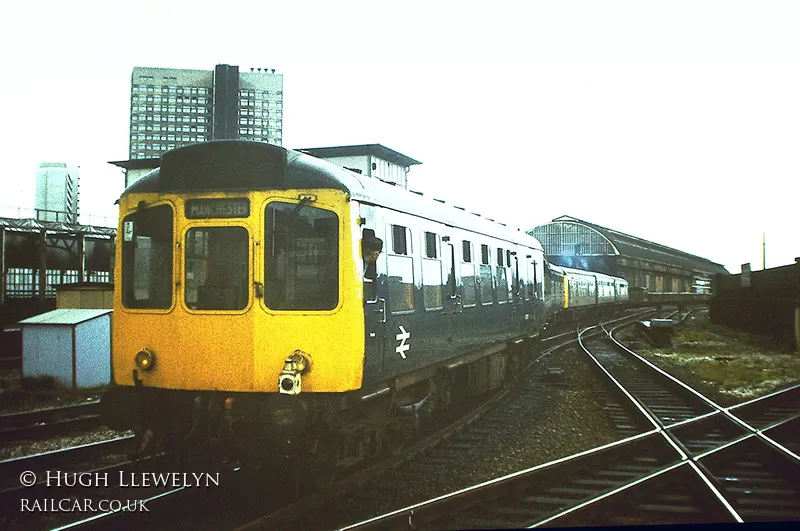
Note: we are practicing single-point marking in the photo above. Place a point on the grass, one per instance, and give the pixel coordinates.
(731, 364)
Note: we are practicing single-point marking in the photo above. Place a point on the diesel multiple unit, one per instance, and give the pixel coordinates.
(248, 323)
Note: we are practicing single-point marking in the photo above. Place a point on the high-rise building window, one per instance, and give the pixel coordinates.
(187, 107)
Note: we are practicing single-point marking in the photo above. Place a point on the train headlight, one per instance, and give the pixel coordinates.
(145, 360)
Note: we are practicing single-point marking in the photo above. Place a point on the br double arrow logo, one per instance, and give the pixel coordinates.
(402, 337)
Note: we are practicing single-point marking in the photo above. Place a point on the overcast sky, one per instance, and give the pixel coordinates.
(677, 122)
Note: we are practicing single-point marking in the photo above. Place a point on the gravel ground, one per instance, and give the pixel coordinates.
(16, 398)
(24, 448)
(556, 414)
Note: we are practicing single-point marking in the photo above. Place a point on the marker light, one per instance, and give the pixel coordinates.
(290, 380)
(145, 360)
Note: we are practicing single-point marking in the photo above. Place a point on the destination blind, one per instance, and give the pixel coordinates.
(235, 207)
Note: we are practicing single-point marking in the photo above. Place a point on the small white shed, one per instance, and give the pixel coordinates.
(71, 345)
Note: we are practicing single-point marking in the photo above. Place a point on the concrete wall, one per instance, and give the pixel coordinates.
(761, 302)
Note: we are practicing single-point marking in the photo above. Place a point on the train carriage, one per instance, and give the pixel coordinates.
(587, 288)
(582, 287)
(246, 318)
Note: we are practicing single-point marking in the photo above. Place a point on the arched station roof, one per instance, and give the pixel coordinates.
(562, 235)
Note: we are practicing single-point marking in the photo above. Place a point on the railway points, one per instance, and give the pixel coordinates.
(736, 478)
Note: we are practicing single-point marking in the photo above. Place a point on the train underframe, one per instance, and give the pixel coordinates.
(320, 433)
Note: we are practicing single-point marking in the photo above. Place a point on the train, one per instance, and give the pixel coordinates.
(249, 327)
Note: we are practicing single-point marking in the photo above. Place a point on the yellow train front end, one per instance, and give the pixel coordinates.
(196, 298)
(234, 311)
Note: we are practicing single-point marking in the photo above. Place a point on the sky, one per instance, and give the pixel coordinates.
(677, 121)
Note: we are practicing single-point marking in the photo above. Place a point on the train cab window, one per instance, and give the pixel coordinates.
(301, 257)
(217, 270)
(147, 258)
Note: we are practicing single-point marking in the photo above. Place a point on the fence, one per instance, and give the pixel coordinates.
(24, 283)
(62, 217)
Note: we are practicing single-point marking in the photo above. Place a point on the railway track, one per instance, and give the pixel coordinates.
(44, 423)
(90, 476)
(33, 477)
(67, 458)
(244, 500)
(696, 463)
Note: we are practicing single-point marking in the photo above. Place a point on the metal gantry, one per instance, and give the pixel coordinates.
(69, 237)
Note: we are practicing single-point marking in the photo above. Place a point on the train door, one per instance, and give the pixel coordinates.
(372, 233)
(402, 339)
(532, 287)
(452, 302)
(517, 285)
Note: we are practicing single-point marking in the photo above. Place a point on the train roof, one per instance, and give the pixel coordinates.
(376, 150)
(580, 272)
(230, 165)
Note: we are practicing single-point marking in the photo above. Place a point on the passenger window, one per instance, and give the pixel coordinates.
(401, 271)
(401, 283)
(432, 284)
(486, 284)
(432, 273)
(431, 245)
(467, 273)
(399, 241)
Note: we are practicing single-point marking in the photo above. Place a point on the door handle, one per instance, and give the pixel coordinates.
(459, 305)
(381, 310)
